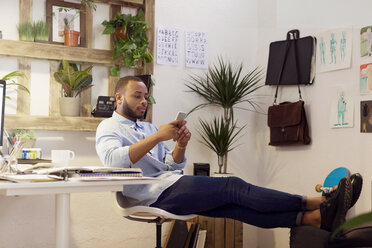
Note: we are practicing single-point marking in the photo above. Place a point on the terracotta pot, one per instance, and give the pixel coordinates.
(120, 33)
(71, 38)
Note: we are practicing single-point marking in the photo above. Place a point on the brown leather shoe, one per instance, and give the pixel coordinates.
(333, 210)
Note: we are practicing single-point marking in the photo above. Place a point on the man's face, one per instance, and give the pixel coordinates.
(132, 101)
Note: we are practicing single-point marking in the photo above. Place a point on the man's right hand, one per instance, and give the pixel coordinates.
(168, 131)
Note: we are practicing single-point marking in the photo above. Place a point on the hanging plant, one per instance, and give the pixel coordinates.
(130, 43)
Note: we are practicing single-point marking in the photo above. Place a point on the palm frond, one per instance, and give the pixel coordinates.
(225, 86)
(218, 135)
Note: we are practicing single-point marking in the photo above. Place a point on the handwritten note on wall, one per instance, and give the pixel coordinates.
(167, 46)
(196, 49)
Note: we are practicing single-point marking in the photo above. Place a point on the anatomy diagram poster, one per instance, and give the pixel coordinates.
(168, 46)
(196, 49)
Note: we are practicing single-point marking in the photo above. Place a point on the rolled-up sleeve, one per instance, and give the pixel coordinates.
(170, 162)
(111, 149)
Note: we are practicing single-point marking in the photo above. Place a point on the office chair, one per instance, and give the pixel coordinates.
(145, 214)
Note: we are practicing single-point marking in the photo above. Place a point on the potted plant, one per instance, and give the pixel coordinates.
(130, 41)
(25, 31)
(73, 82)
(71, 37)
(41, 31)
(225, 86)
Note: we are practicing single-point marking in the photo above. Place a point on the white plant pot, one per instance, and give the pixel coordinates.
(216, 174)
(70, 106)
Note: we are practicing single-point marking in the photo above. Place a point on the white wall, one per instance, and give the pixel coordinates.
(29, 221)
(299, 169)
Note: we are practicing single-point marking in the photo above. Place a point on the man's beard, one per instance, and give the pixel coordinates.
(130, 113)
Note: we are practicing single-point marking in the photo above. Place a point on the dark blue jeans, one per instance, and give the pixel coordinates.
(231, 197)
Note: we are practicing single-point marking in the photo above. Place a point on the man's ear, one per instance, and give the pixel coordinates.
(119, 97)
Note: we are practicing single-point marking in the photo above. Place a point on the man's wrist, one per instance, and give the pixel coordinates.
(181, 146)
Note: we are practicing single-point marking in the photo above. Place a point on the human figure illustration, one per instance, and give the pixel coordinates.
(343, 46)
(369, 42)
(369, 77)
(332, 48)
(341, 109)
(322, 50)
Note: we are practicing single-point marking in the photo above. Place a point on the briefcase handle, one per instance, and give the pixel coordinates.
(295, 34)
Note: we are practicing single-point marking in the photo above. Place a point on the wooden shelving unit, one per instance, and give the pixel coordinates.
(25, 51)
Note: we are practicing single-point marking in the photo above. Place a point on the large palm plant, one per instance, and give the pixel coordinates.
(225, 86)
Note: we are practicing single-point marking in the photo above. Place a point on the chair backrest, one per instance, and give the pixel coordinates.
(143, 211)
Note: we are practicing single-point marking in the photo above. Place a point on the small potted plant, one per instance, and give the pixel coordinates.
(25, 31)
(130, 41)
(41, 31)
(73, 82)
(71, 36)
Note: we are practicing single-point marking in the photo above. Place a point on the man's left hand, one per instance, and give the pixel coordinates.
(184, 134)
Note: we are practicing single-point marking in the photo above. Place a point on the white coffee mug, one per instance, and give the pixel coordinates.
(61, 157)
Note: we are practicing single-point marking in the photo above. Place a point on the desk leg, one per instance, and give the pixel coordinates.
(62, 220)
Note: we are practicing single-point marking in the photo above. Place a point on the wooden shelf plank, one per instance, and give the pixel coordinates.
(120, 2)
(55, 52)
(57, 123)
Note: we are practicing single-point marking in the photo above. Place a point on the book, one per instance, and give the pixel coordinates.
(202, 236)
(92, 171)
(30, 178)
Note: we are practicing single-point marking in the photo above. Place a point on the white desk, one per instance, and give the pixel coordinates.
(62, 191)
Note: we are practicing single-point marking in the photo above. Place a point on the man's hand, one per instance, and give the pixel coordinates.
(168, 131)
(183, 134)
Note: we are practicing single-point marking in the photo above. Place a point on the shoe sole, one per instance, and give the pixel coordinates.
(357, 184)
(343, 204)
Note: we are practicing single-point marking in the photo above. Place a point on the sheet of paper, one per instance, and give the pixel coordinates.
(334, 49)
(196, 49)
(167, 46)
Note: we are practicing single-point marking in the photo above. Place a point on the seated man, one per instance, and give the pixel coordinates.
(123, 141)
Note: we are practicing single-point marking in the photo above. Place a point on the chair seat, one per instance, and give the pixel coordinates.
(144, 212)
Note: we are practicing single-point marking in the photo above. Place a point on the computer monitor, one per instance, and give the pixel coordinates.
(2, 110)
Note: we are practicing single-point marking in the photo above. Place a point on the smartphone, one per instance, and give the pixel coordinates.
(181, 116)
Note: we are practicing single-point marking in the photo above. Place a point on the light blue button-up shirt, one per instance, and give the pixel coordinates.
(113, 138)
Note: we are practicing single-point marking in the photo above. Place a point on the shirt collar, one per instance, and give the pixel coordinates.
(132, 124)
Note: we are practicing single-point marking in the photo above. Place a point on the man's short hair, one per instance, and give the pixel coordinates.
(123, 82)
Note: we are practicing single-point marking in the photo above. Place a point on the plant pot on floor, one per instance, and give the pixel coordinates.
(70, 106)
(71, 38)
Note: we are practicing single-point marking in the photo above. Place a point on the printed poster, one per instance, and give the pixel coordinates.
(168, 46)
(196, 49)
(334, 50)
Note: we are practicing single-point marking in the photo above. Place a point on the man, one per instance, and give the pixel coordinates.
(123, 141)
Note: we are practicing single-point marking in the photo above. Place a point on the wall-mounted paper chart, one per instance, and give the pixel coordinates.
(196, 49)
